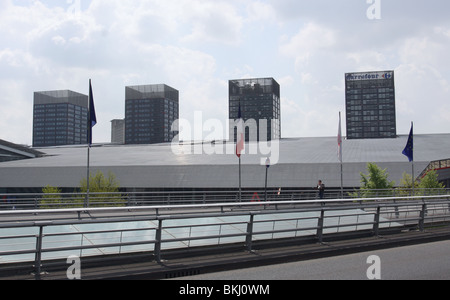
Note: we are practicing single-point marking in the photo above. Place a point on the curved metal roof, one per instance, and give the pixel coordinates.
(301, 162)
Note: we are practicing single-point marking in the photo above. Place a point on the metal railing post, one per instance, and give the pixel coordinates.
(158, 237)
(38, 256)
(376, 225)
(320, 226)
(249, 238)
(397, 212)
(422, 218)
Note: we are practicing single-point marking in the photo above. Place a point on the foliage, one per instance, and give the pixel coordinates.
(376, 179)
(52, 198)
(430, 184)
(406, 185)
(374, 182)
(103, 191)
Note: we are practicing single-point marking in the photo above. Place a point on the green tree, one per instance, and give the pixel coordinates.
(406, 185)
(375, 183)
(52, 198)
(103, 191)
(430, 185)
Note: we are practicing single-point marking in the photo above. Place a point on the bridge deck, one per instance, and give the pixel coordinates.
(211, 260)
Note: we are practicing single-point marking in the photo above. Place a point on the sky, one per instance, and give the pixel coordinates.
(197, 46)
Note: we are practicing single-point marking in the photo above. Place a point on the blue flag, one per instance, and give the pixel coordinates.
(409, 149)
(92, 118)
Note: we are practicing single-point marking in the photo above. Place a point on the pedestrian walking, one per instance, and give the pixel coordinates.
(321, 189)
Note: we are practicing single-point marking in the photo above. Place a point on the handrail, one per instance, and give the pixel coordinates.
(216, 205)
(281, 219)
(132, 199)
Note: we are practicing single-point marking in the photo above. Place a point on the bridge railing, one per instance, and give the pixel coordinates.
(36, 237)
(128, 199)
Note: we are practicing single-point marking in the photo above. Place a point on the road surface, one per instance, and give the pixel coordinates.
(418, 262)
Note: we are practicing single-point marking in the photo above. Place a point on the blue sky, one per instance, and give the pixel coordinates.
(196, 46)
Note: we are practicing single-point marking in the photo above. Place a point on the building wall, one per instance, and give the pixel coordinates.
(370, 105)
(260, 101)
(118, 132)
(444, 176)
(149, 114)
(59, 118)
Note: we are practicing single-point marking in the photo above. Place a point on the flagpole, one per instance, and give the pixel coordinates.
(340, 155)
(409, 152)
(91, 121)
(412, 165)
(87, 176)
(413, 180)
(88, 145)
(342, 181)
(240, 145)
(240, 183)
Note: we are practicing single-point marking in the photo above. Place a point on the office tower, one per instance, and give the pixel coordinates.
(259, 100)
(59, 118)
(118, 131)
(370, 105)
(150, 111)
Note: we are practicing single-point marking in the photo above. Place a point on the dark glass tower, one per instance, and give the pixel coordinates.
(150, 111)
(370, 105)
(59, 118)
(260, 104)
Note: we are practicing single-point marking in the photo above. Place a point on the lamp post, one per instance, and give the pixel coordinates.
(267, 171)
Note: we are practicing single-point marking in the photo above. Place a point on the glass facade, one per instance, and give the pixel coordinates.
(59, 118)
(370, 105)
(150, 111)
(260, 101)
(118, 131)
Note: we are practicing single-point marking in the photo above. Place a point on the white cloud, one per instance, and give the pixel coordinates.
(422, 82)
(307, 79)
(196, 46)
(16, 123)
(422, 96)
(259, 11)
(310, 40)
(210, 21)
(442, 31)
(308, 118)
(421, 51)
(368, 60)
(183, 64)
(286, 81)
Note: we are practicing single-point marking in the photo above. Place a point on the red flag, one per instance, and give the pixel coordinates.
(340, 139)
(240, 134)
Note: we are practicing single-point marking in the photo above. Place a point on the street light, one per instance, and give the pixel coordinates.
(267, 171)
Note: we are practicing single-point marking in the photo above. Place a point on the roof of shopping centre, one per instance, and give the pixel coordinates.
(297, 162)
